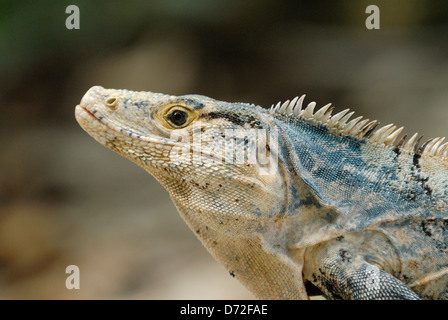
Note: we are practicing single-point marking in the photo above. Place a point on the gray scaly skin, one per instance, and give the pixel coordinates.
(345, 209)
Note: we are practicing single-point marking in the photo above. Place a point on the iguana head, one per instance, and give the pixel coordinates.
(216, 159)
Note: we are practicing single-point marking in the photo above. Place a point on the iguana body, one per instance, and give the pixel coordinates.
(334, 203)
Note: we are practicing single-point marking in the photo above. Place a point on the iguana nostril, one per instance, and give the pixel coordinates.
(112, 103)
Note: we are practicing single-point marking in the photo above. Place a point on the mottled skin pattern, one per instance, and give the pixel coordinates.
(357, 218)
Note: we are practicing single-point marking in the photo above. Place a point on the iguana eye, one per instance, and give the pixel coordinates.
(178, 116)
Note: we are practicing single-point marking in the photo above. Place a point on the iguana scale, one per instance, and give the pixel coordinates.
(327, 201)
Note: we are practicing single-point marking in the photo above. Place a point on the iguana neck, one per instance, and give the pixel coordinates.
(259, 265)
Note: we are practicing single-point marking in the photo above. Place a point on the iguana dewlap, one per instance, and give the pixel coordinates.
(287, 196)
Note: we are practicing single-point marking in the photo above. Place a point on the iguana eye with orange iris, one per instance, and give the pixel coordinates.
(179, 116)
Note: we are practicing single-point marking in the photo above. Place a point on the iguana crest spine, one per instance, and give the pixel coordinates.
(357, 128)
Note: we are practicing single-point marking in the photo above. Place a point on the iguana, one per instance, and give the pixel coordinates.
(326, 202)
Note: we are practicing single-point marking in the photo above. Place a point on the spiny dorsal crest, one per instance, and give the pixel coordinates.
(362, 129)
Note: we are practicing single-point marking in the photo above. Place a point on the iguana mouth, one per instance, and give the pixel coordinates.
(86, 110)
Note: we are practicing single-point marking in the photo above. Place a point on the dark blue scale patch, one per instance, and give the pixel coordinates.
(140, 104)
(325, 160)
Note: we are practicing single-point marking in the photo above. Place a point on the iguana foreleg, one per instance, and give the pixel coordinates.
(345, 269)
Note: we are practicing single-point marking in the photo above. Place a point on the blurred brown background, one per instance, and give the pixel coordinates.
(65, 199)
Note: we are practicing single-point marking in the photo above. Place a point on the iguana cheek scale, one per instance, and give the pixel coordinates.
(345, 209)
